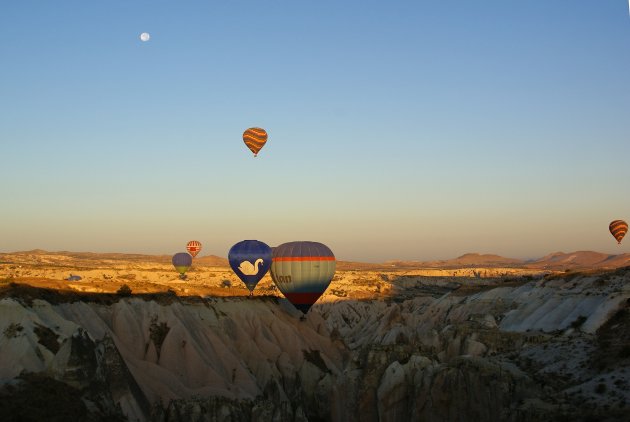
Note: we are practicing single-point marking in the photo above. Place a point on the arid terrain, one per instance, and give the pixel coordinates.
(479, 337)
(212, 276)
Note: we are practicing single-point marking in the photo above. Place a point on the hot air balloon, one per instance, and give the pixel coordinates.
(250, 260)
(193, 247)
(255, 138)
(302, 271)
(618, 229)
(182, 262)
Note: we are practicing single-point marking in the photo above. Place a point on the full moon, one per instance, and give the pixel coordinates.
(145, 36)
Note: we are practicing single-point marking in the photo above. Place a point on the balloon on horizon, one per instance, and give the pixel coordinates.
(193, 247)
(182, 262)
(302, 271)
(255, 138)
(618, 228)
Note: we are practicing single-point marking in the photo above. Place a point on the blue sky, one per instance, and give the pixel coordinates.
(397, 130)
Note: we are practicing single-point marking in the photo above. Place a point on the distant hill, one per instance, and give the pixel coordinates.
(359, 266)
(580, 260)
(466, 260)
(554, 261)
(43, 256)
(477, 260)
(211, 261)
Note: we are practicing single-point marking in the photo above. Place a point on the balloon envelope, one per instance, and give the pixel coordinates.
(182, 262)
(255, 138)
(193, 247)
(250, 260)
(302, 271)
(618, 229)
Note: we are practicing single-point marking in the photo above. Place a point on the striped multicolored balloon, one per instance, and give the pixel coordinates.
(193, 247)
(618, 229)
(302, 271)
(255, 138)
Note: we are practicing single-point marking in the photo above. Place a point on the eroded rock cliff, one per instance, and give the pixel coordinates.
(515, 350)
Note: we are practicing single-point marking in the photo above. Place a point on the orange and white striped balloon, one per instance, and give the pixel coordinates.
(618, 229)
(255, 138)
(193, 247)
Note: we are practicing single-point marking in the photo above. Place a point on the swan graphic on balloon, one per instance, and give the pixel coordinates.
(250, 260)
(248, 268)
(302, 271)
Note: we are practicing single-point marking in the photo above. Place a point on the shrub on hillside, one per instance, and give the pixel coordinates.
(124, 290)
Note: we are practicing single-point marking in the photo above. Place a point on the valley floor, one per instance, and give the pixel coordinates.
(381, 345)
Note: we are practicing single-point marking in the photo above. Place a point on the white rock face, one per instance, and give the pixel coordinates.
(432, 357)
(556, 305)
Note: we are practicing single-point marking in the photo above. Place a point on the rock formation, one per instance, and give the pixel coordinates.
(533, 348)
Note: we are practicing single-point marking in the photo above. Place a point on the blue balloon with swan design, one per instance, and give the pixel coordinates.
(250, 260)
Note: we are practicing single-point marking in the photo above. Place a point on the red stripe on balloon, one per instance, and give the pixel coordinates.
(302, 298)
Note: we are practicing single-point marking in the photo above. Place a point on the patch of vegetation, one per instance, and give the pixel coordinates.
(47, 338)
(601, 388)
(158, 332)
(567, 276)
(13, 330)
(55, 401)
(39, 398)
(339, 293)
(124, 290)
(315, 358)
(579, 322)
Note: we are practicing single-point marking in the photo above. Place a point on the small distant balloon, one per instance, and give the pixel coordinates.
(255, 138)
(193, 247)
(144, 37)
(182, 262)
(618, 229)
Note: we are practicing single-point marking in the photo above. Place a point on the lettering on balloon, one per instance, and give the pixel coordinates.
(284, 279)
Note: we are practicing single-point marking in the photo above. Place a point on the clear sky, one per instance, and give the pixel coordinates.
(397, 129)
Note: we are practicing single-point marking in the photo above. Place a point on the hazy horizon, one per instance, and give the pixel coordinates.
(224, 255)
(411, 130)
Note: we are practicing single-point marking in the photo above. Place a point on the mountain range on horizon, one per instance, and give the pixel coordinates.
(551, 261)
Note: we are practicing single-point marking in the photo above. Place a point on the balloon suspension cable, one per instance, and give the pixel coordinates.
(255, 155)
(251, 293)
(303, 318)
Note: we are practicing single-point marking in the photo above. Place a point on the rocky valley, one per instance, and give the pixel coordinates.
(482, 344)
